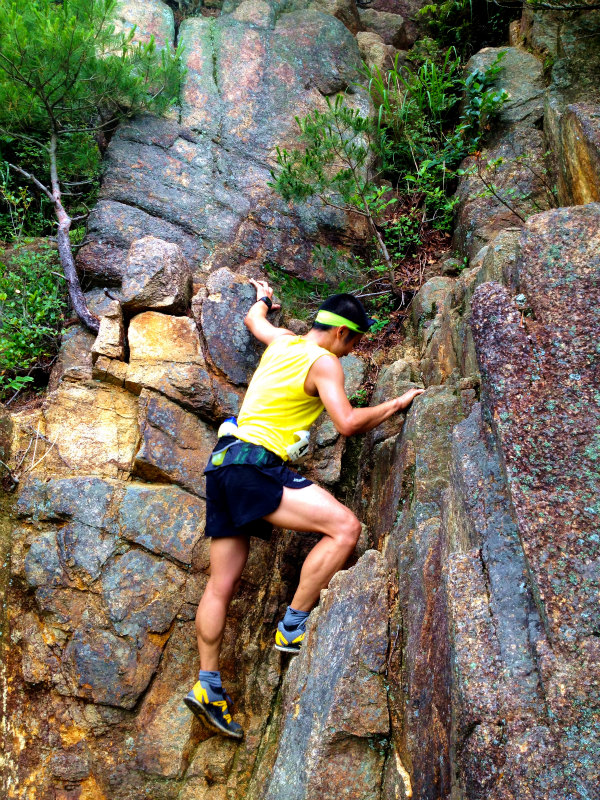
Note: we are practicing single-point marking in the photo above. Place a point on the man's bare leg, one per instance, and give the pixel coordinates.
(314, 509)
(228, 557)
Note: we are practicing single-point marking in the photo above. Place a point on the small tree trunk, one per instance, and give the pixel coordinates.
(67, 261)
(381, 246)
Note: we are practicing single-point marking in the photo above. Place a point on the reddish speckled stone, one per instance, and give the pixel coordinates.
(540, 388)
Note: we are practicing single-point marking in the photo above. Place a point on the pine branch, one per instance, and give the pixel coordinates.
(33, 179)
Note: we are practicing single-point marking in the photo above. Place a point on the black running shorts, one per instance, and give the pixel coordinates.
(239, 495)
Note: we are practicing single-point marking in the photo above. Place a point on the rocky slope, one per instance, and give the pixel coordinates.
(458, 656)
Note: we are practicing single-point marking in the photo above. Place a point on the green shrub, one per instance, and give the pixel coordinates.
(299, 297)
(32, 305)
(469, 25)
(423, 138)
(428, 119)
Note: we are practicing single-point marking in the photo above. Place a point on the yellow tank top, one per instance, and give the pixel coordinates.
(276, 405)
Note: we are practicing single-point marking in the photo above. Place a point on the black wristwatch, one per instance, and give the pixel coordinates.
(266, 300)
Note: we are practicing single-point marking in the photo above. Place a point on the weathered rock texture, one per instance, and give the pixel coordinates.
(457, 659)
(509, 180)
(201, 181)
(334, 710)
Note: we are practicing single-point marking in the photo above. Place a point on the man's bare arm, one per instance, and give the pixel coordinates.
(328, 377)
(256, 319)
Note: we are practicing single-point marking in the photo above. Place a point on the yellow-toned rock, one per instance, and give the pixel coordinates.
(110, 341)
(110, 370)
(159, 337)
(88, 428)
(579, 177)
(374, 51)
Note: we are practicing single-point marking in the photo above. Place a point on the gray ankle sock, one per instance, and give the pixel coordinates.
(294, 618)
(210, 678)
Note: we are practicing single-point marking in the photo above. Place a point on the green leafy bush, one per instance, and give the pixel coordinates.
(299, 296)
(428, 119)
(68, 76)
(32, 304)
(469, 25)
(423, 136)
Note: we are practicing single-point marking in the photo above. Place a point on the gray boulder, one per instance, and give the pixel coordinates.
(231, 346)
(157, 276)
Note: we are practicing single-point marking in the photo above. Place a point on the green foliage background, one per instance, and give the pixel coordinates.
(398, 171)
(33, 301)
(67, 77)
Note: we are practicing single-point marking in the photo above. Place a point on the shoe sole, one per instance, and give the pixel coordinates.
(286, 649)
(204, 716)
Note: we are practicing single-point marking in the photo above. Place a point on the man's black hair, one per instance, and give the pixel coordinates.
(345, 305)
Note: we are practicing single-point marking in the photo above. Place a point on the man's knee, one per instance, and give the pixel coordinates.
(348, 531)
(223, 587)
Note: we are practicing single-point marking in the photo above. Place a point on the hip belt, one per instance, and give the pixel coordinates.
(230, 451)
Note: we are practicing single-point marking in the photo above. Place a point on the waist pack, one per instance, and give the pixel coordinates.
(230, 450)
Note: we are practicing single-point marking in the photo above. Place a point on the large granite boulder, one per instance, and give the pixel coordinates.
(522, 76)
(202, 183)
(538, 389)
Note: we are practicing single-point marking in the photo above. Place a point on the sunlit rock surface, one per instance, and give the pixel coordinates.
(201, 181)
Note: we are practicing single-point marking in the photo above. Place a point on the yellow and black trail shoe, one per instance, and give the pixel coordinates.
(289, 640)
(212, 707)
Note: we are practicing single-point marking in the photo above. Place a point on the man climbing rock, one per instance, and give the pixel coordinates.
(249, 486)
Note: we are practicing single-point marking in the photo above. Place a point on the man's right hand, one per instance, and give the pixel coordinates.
(264, 290)
(256, 319)
(406, 399)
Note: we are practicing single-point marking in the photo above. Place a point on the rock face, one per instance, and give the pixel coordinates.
(457, 657)
(230, 344)
(580, 148)
(340, 677)
(201, 183)
(510, 179)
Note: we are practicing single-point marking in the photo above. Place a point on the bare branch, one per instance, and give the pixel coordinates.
(33, 179)
(27, 138)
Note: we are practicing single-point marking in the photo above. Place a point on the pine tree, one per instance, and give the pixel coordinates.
(66, 74)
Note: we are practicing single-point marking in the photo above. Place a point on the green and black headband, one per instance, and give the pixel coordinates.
(336, 321)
